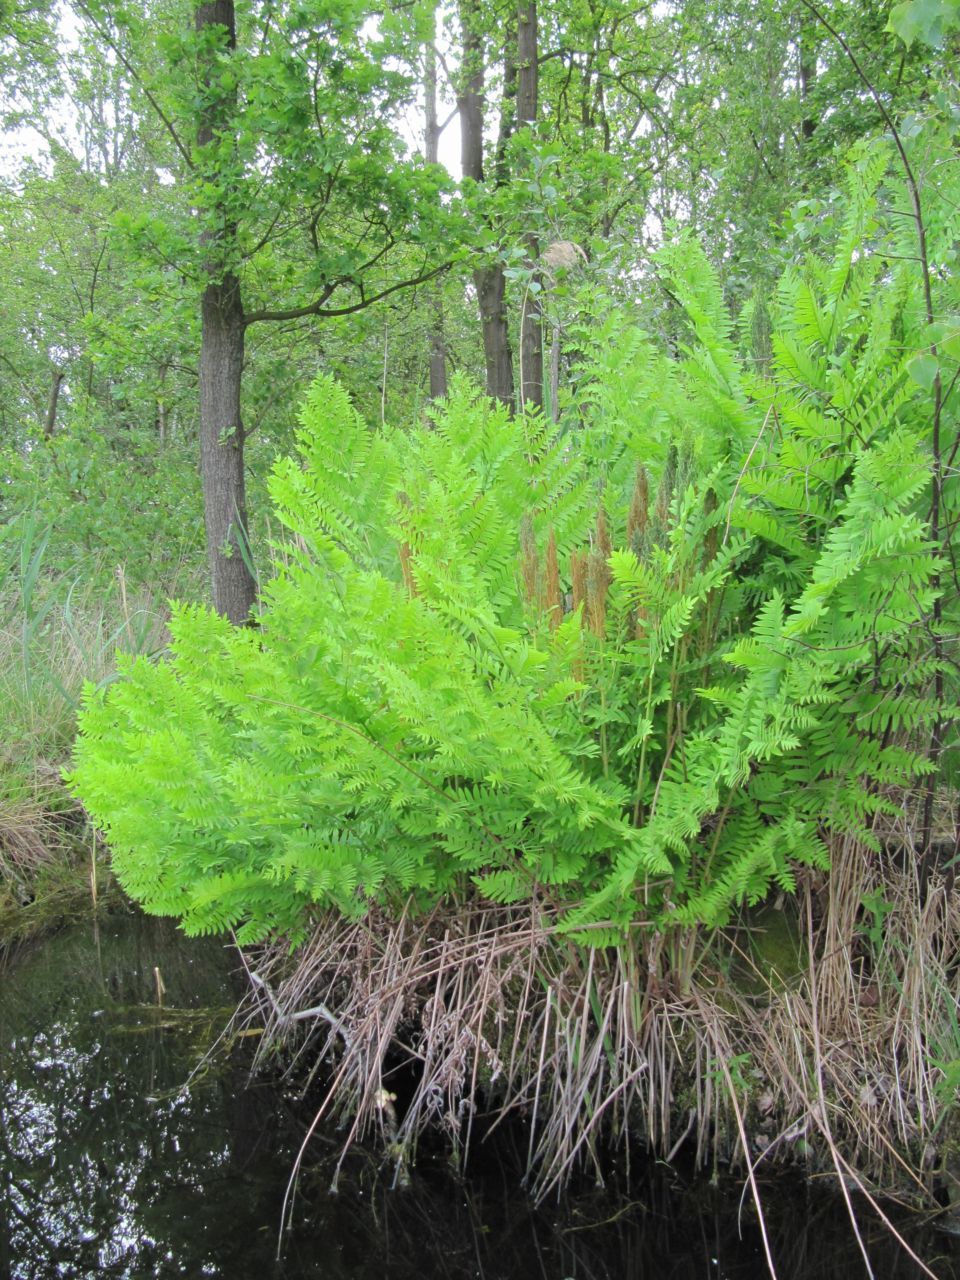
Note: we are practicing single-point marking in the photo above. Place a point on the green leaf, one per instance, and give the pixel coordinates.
(923, 369)
(924, 20)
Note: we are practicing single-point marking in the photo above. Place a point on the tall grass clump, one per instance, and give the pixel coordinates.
(57, 631)
(536, 716)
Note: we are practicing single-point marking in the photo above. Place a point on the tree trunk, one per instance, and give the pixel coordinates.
(221, 370)
(438, 353)
(489, 281)
(555, 374)
(491, 287)
(162, 421)
(808, 76)
(531, 327)
(221, 449)
(50, 424)
(438, 350)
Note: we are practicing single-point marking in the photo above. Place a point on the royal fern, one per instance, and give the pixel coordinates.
(643, 668)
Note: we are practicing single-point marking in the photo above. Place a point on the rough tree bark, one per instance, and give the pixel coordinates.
(489, 281)
(221, 371)
(221, 448)
(438, 353)
(531, 327)
(808, 75)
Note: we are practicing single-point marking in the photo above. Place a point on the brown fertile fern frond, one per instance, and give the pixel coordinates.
(552, 601)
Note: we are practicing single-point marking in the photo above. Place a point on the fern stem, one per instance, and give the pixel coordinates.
(604, 749)
(721, 823)
(641, 768)
(671, 744)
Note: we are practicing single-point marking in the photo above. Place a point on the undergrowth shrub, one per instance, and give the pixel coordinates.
(106, 499)
(640, 665)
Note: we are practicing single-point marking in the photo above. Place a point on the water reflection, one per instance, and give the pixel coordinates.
(112, 1164)
(105, 1157)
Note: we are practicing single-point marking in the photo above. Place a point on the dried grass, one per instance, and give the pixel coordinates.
(486, 1012)
(53, 637)
(30, 839)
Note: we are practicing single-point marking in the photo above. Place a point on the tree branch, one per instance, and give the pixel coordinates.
(135, 75)
(317, 308)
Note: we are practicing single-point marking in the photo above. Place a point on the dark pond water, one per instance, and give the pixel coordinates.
(123, 1153)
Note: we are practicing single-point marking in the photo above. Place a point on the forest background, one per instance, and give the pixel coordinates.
(693, 551)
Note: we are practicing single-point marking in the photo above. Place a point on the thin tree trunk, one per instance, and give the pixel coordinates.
(808, 77)
(221, 449)
(491, 287)
(438, 350)
(221, 370)
(531, 328)
(489, 282)
(162, 408)
(555, 373)
(50, 424)
(438, 353)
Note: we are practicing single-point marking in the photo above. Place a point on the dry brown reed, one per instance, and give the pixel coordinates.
(485, 1012)
(30, 838)
(492, 1012)
(861, 1043)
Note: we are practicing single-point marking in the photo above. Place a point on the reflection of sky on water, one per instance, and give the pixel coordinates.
(117, 1161)
(76, 1173)
(103, 1153)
